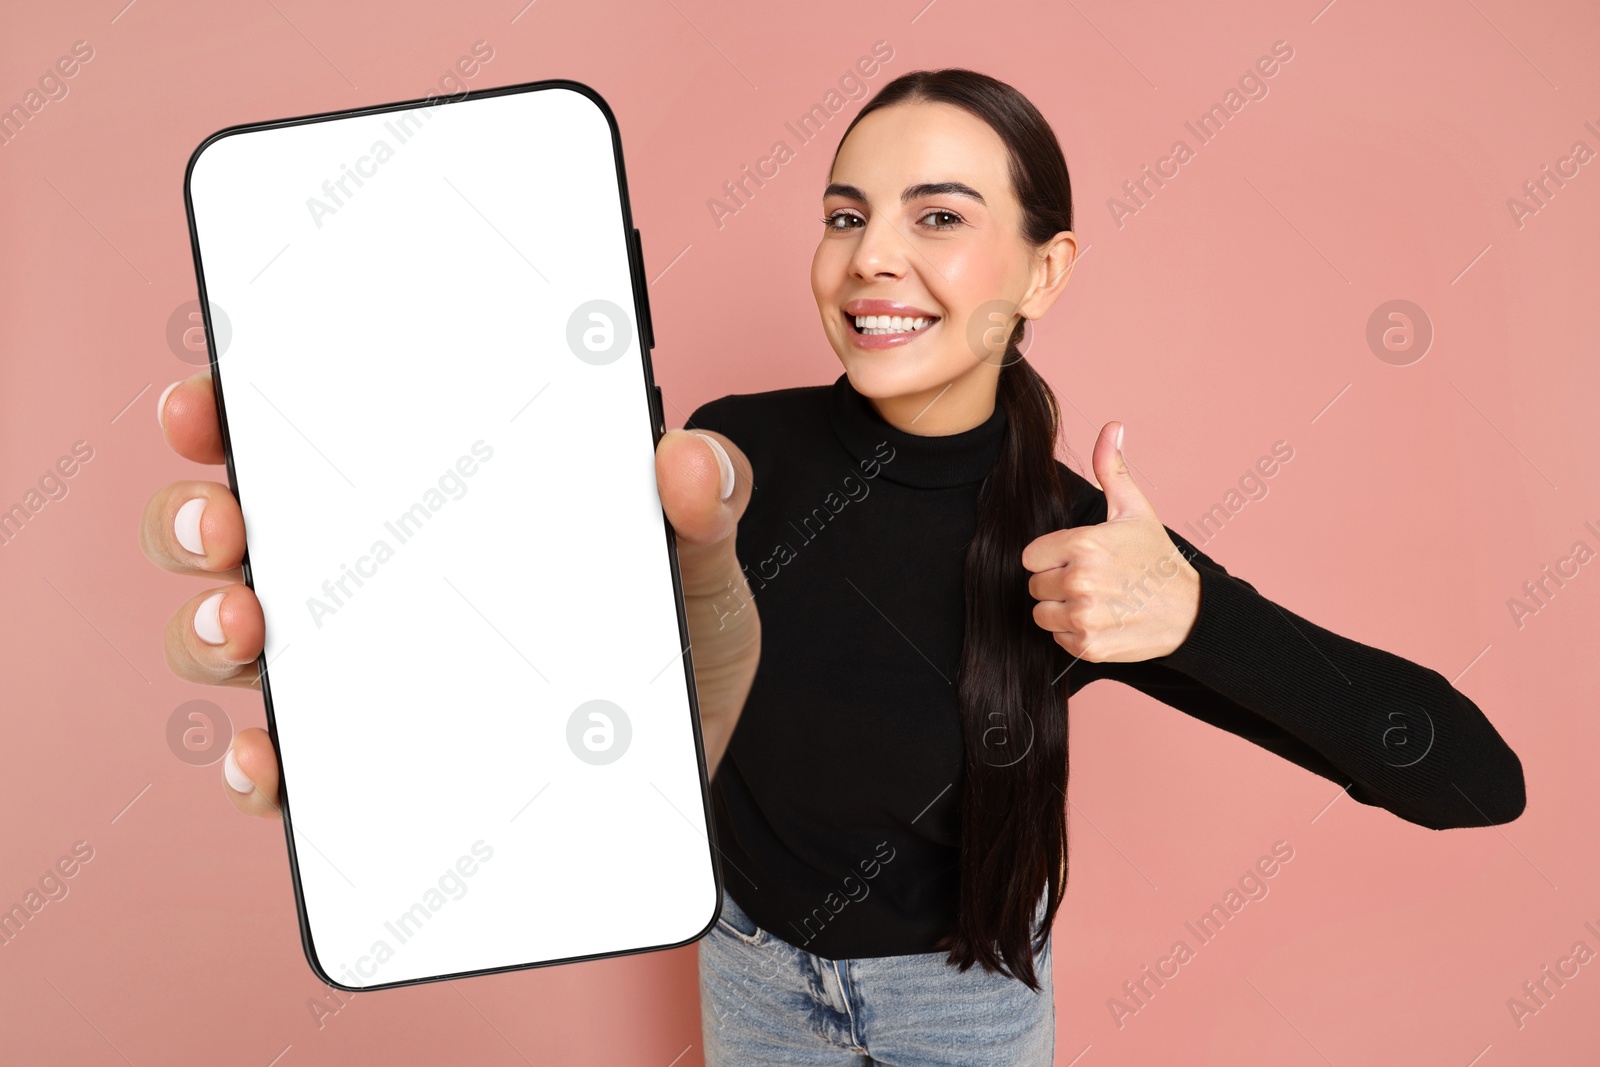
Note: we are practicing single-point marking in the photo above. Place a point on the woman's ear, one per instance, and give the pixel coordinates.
(1052, 268)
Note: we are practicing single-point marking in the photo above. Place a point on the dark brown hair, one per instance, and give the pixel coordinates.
(1010, 688)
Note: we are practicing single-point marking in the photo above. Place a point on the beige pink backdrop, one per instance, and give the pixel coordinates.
(1226, 312)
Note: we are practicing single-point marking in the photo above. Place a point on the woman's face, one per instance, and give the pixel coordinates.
(923, 223)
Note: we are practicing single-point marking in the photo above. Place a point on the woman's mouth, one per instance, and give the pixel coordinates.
(889, 325)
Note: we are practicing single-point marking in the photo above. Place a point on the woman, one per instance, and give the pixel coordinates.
(933, 585)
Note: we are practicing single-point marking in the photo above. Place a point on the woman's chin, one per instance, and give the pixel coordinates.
(883, 375)
(874, 374)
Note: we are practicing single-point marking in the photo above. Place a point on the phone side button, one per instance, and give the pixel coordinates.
(648, 325)
(661, 407)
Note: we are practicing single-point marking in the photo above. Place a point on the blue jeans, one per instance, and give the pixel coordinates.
(765, 1001)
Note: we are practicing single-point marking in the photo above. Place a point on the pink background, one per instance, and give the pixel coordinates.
(1227, 314)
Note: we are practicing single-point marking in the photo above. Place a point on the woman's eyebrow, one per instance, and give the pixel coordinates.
(912, 192)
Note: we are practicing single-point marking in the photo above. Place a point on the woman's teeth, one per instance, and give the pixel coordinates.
(875, 325)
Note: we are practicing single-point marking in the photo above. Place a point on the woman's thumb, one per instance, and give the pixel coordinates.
(724, 464)
(704, 482)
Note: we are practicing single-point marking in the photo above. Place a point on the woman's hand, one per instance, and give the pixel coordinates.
(1118, 592)
(195, 528)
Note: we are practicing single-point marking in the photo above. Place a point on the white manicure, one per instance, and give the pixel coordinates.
(186, 526)
(724, 464)
(161, 405)
(240, 782)
(208, 620)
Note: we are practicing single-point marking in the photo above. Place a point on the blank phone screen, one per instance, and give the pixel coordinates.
(438, 418)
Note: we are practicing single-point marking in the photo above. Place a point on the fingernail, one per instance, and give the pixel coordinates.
(237, 779)
(161, 405)
(208, 620)
(724, 464)
(186, 526)
(1120, 428)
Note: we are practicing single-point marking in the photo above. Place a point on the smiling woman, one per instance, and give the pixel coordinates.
(916, 663)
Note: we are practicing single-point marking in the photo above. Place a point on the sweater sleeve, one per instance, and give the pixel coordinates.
(1396, 734)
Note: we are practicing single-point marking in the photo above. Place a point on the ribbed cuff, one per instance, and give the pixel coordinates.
(1213, 650)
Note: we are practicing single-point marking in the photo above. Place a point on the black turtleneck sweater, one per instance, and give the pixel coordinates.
(836, 803)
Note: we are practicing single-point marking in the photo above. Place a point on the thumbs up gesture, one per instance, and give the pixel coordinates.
(1119, 591)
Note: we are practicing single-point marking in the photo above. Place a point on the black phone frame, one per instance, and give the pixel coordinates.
(653, 404)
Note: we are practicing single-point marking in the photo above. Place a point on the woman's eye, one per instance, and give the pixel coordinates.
(840, 221)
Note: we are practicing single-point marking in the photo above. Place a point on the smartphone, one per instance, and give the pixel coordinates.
(429, 337)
